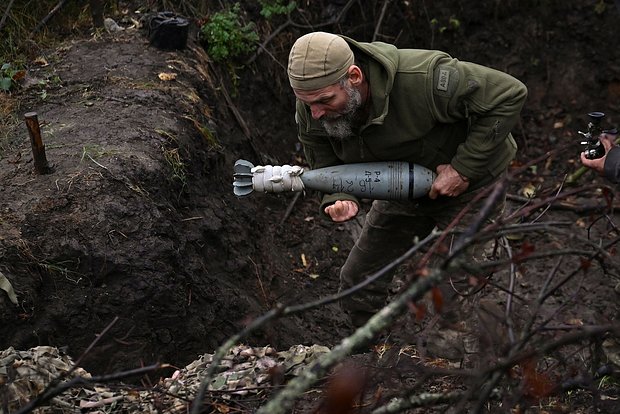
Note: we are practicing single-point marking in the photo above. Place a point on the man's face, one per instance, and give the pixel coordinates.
(335, 106)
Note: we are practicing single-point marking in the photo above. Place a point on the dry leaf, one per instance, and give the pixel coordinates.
(529, 190)
(167, 76)
(221, 408)
(19, 75)
(41, 61)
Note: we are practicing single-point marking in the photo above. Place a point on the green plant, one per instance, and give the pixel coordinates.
(226, 36)
(9, 75)
(453, 24)
(272, 8)
(600, 7)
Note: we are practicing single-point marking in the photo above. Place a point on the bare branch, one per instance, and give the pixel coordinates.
(50, 393)
(6, 13)
(51, 14)
(386, 3)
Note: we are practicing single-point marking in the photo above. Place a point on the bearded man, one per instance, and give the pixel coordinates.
(365, 102)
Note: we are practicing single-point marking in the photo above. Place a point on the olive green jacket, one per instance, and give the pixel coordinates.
(427, 108)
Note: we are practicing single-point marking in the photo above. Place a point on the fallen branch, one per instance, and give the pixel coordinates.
(580, 208)
(398, 405)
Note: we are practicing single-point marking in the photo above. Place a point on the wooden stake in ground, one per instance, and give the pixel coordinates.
(38, 149)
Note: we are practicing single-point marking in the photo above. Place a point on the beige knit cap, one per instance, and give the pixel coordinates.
(318, 60)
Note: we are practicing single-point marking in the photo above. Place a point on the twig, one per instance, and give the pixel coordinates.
(543, 202)
(381, 16)
(511, 289)
(498, 190)
(260, 282)
(6, 14)
(93, 160)
(93, 343)
(268, 39)
(290, 207)
(497, 193)
(48, 17)
(48, 394)
(549, 206)
(238, 117)
(290, 22)
(400, 405)
(495, 373)
(496, 376)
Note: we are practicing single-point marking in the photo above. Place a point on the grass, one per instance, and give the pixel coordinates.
(173, 158)
(206, 133)
(177, 165)
(94, 152)
(20, 44)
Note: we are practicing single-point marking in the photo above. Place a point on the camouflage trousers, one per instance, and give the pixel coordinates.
(389, 231)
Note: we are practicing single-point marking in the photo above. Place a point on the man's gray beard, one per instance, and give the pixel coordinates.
(342, 126)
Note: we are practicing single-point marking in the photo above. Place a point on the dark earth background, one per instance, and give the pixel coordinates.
(137, 219)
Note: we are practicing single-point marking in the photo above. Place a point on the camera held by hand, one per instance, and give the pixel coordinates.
(592, 146)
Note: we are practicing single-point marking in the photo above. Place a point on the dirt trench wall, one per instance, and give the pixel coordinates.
(108, 234)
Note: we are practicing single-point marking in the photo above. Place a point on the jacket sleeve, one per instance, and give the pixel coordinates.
(612, 165)
(490, 100)
(319, 153)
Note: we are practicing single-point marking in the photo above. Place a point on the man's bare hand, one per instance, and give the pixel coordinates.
(448, 182)
(342, 210)
(598, 164)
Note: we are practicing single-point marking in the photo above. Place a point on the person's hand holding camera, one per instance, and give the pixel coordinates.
(598, 164)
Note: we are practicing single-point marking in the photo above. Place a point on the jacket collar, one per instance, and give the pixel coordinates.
(379, 61)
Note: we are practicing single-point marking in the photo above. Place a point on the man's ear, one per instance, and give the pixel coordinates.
(356, 77)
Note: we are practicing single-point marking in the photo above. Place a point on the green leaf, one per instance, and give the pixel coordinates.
(5, 84)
